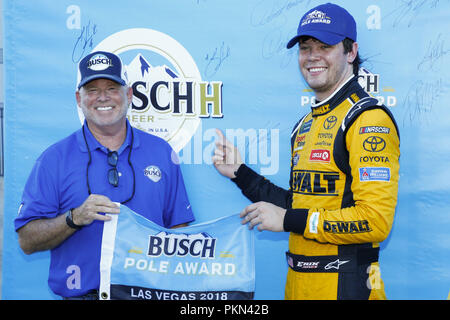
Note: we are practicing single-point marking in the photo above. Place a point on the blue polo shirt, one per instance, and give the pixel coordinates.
(58, 183)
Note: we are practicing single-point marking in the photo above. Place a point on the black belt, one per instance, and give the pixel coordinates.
(334, 263)
(91, 295)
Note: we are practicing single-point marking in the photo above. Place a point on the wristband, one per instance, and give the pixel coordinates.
(70, 222)
(236, 172)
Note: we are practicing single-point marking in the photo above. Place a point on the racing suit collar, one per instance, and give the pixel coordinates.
(319, 108)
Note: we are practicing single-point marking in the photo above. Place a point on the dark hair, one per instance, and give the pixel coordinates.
(348, 45)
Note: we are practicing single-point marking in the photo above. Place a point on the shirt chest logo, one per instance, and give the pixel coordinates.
(330, 122)
(320, 155)
(153, 173)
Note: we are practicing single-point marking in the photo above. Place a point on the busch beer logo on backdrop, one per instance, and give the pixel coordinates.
(371, 83)
(169, 96)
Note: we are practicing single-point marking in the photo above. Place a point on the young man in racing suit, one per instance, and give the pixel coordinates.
(344, 171)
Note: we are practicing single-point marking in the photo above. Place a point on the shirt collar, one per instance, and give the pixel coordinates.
(94, 144)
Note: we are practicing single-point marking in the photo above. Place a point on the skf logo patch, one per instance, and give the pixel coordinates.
(320, 156)
(153, 173)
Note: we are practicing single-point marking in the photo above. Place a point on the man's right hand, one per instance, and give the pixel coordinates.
(89, 210)
(226, 158)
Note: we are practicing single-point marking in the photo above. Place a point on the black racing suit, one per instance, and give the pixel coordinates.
(342, 196)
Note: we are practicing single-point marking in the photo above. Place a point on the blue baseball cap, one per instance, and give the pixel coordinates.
(328, 23)
(101, 64)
